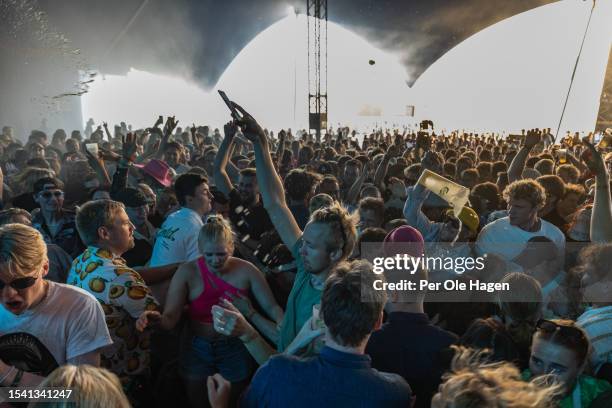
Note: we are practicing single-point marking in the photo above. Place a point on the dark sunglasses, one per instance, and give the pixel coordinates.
(569, 332)
(20, 284)
(48, 194)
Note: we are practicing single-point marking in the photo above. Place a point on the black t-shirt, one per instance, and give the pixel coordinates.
(139, 255)
(555, 219)
(252, 221)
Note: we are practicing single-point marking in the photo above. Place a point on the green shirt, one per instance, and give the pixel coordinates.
(302, 298)
(590, 388)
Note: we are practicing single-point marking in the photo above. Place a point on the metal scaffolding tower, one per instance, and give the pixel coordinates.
(317, 65)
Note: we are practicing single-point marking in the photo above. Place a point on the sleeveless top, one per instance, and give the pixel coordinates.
(215, 289)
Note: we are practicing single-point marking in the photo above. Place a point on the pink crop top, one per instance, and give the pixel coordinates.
(215, 289)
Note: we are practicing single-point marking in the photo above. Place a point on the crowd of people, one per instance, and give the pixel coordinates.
(190, 267)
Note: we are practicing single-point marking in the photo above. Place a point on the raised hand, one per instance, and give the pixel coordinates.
(159, 121)
(171, 124)
(593, 158)
(147, 318)
(250, 128)
(533, 137)
(129, 147)
(230, 129)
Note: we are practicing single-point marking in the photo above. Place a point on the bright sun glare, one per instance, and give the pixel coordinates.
(511, 75)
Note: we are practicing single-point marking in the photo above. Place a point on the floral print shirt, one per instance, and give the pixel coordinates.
(123, 295)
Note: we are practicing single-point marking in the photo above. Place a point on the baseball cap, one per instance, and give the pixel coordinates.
(468, 217)
(130, 197)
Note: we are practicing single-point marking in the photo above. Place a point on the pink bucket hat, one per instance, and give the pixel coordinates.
(159, 170)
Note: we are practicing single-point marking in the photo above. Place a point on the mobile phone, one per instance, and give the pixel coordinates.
(235, 113)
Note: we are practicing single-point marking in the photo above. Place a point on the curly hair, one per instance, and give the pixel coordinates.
(299, 183)
(528, 190)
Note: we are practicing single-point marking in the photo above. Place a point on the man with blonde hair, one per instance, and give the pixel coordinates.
(67, 321)
(105, 228)
(328, 237)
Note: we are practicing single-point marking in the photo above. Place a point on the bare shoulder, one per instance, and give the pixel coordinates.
(244, 267)
(187, 270)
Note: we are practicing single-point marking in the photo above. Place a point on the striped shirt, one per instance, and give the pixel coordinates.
(597, 323)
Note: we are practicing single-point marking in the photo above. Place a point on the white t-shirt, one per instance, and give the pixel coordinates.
(508, 241)
(176, 241)
(69, 322)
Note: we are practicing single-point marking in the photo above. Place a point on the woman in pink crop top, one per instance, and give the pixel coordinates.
(201, 284)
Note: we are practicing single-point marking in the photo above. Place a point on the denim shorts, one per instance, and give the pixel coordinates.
(200, 358)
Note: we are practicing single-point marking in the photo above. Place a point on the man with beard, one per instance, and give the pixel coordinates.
(106, 229)
(327, 239)
(247, 213)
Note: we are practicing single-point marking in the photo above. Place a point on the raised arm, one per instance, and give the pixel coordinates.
(601, 218)
(128, 155)
(98, 166)
(270, 183)
(280, 148)
(381, 171)
(105, 125)
(171, 123)
(222, 180)
(573, 160)
(352, 194)
(515, 171)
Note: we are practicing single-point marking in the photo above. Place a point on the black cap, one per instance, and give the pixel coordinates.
(130, 197)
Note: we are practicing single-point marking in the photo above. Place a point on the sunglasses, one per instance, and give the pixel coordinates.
(569, 332)
(48, 194)
(21, 283)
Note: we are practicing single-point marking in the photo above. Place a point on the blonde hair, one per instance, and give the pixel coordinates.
(216, 229)
(474, 384)
(342, 225)
(93, 387)
(23, 251)
(93, 215)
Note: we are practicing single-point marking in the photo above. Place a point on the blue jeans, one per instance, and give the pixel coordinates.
(200, 358)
